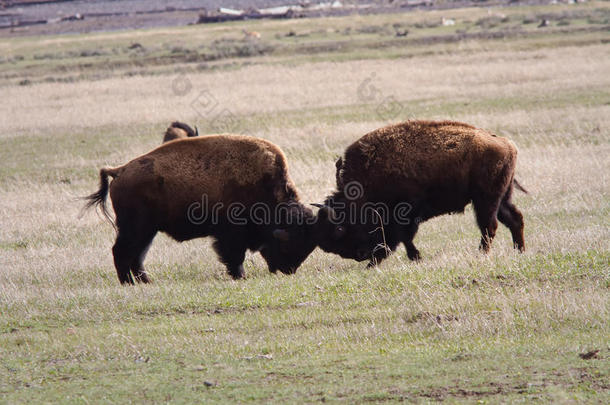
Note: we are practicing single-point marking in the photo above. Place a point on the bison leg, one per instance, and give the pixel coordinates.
(236, 271)
(122, 258)
(137, 264)
(412, 252)
(408, 233)
(231, 250)
(133, 239)
(510, 216)
(383, 250)
(486, 213)
(380, 253)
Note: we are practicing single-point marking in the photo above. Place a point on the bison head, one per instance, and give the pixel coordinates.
(353, 230)
(290, 242)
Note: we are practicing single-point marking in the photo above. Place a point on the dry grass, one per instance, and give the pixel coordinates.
(273, 89)
(334, 330)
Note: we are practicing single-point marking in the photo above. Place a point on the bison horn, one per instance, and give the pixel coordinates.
(196, 131)
(326, 210)
(281, 234)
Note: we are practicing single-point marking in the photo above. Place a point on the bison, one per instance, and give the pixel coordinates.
(401, 175)
(233, 188)
(179, 130)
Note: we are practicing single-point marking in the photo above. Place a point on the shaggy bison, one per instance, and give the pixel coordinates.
(407, 173)
(179, 130)
(231, 187)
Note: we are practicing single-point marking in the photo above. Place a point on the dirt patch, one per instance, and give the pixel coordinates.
(569, 379)
(430, 317)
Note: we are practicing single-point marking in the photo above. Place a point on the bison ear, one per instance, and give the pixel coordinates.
(281, 234)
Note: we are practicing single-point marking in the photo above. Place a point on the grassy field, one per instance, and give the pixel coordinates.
(458, 326)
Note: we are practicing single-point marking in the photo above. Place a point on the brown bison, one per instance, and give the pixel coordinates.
(231, 187)
(401, 175)
(179, 130)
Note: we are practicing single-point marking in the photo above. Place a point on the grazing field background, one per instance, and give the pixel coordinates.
(458, 326)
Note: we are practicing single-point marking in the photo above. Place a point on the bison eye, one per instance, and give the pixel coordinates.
(339, 231)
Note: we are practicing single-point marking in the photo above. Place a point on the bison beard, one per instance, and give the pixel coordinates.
(433, 168)
(155, 192)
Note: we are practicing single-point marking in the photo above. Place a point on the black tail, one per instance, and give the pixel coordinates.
(519, 186)
(189, 131)
(98, 199)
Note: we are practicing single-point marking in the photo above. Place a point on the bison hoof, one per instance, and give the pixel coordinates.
(142, 278)
(236, 272)
(414, 256)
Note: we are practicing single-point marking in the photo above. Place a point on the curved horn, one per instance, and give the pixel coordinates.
(281, 234)
(196, 131)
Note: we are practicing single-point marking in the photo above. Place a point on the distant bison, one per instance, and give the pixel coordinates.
(179, 130)
(231, 187)
(404, 174)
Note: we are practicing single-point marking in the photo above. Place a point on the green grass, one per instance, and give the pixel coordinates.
(362, 335)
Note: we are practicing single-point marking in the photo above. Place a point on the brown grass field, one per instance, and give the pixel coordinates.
(459, 326)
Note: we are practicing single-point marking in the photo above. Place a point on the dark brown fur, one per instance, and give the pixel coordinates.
(436, 168)
(157, 191)
(179, 130)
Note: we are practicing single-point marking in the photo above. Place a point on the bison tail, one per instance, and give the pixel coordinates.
(98, 199)
(519, 186)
